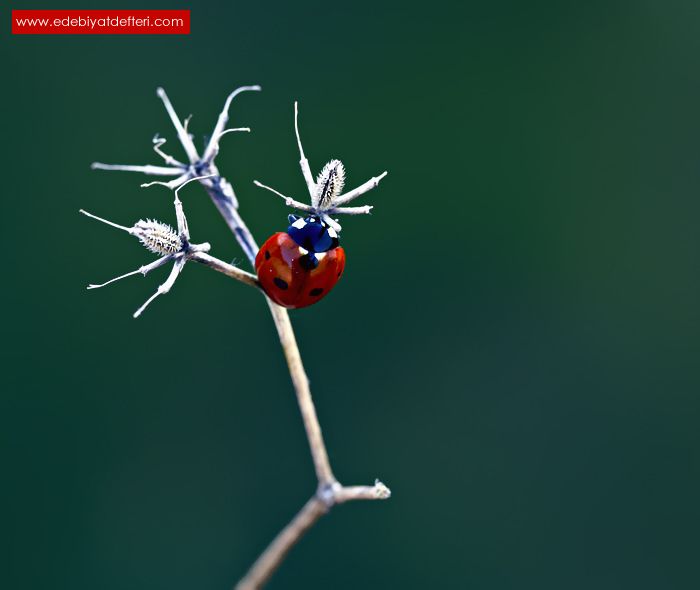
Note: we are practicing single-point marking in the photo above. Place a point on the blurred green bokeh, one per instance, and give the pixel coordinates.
(513, 348)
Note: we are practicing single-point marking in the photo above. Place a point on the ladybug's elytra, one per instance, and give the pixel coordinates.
(299, 267)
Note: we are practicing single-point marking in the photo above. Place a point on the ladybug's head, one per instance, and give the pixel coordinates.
(312, 234)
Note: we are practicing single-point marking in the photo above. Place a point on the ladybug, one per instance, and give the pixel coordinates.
(299, 267)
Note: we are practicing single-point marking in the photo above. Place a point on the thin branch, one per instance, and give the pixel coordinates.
(227, 205)
(210, 150)
(144, 270)
(166, 286)
(360, 190)
(158, 142)
(216, 146)
(303, 162)
(228, 269)
(234, 130)
(266, 565)
(171, 184)
(182, 134)
(376, 492)
(147, 169)
(365, 210)
(324, 474)
(288, 200)
(179, 187)
(129, 230)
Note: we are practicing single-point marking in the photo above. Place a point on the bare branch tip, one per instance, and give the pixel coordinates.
(149, 184)
(197, 178)
(382, 492)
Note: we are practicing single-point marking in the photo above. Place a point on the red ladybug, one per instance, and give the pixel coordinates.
(299, 267)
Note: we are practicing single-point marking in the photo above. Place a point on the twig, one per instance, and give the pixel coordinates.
(324, 474)
(360, 190)
(287, 200)
(223, 267)
(303, 161)
(268, 562)
(266, 565)
(376, 492)
(213, 147)
(147, 169)
(183, 136)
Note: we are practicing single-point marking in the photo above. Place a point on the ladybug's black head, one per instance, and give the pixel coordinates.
(312, 234)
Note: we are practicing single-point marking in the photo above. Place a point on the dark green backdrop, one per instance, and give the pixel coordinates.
(514, 344)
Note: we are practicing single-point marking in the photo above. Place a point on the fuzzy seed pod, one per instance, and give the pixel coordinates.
(158, 237)
(329, 184)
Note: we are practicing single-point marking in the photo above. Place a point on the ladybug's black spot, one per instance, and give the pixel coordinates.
(280, 283)
(267, 255)
(316, 292)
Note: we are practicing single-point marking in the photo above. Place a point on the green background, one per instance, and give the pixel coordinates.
(513, 348)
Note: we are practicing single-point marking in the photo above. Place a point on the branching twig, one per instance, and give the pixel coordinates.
(329, 492)
(315, 508)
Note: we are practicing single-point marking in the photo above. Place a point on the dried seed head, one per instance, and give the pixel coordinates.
(158, 237)
(329, 184)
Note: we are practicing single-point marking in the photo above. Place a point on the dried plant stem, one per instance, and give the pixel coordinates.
(328, 492)
(324, 474)
(229, 211)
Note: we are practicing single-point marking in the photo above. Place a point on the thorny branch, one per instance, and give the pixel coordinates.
(329, 491)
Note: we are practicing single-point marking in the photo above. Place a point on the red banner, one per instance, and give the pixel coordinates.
(100, 22)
